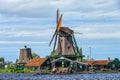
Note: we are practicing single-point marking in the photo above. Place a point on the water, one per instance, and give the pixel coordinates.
(96, 76)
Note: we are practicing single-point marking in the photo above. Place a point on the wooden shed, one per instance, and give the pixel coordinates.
(38, 64)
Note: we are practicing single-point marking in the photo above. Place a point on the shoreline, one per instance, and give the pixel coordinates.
(88, 72)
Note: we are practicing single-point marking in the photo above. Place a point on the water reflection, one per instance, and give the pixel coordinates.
(97, 76)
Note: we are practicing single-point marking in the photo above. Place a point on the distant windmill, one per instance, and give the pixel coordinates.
(67, 45)
(25, 55)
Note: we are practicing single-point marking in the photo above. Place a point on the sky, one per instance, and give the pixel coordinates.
(33, 22)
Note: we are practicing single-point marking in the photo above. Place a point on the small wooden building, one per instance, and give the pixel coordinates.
(63, 62)
(38, 64)
(98, 64)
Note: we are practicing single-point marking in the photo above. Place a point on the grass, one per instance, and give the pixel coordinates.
(15, 71)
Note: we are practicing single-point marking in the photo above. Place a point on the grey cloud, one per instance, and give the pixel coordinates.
(39, 13)
(34, 8)
(46, 9)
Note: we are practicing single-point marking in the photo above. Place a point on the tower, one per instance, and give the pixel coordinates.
(65, 42)
(25, 55)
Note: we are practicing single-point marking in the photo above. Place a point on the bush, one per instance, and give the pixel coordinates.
(27, 71)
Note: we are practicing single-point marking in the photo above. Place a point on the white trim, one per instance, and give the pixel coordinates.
(68, 60)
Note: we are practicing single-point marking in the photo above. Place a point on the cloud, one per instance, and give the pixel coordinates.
(22, 42)
(26, 8)
(33, 11)
(102, 35)
(20, 32)
(97, 31)
(40, 9)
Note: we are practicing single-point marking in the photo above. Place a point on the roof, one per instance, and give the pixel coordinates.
(89, 61)
(98, 62)
(67, 30)
(63, 58)
(35, 62)
(81, 63)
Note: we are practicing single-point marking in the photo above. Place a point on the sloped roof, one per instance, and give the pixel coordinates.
(89, 61)
(35, 62)
(67, 30)
(82, 63)
(98, 62)
(63, 58)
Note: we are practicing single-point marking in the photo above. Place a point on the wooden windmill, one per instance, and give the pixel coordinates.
(66, 46)
(25, 55)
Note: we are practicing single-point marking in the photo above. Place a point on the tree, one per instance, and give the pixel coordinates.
(2, 59)
(52, 53)
(80, 58)
(80, 54)
(2, 62)
(115, 64)
(16, 60)
(34, 55)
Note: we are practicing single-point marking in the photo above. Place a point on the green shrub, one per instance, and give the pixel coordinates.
(28, 70)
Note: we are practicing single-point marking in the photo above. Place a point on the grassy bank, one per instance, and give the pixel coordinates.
(15, 71)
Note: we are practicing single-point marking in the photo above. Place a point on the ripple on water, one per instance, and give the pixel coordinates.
(97, 76)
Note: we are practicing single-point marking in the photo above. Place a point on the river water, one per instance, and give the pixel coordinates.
(93, 76)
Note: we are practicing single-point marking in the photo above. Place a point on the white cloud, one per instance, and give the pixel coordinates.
(101, 35)
(93, 15)
(31, 10)
(22, 42)
(98, 31)
(39, 8)
(26, 33)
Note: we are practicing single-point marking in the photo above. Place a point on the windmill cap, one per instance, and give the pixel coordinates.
(66, 30)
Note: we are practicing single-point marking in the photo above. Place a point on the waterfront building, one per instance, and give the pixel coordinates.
(66, 64)
(38, 64)
(98, 64)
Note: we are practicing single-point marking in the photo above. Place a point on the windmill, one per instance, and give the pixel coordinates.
(67, 45)
(25, 55)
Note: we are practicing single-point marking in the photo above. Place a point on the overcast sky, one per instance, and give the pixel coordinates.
(33, 22)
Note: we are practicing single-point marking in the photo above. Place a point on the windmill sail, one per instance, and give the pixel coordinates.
(59, 23)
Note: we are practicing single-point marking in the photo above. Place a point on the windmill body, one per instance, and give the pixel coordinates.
(25, 56)
(65, 43)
